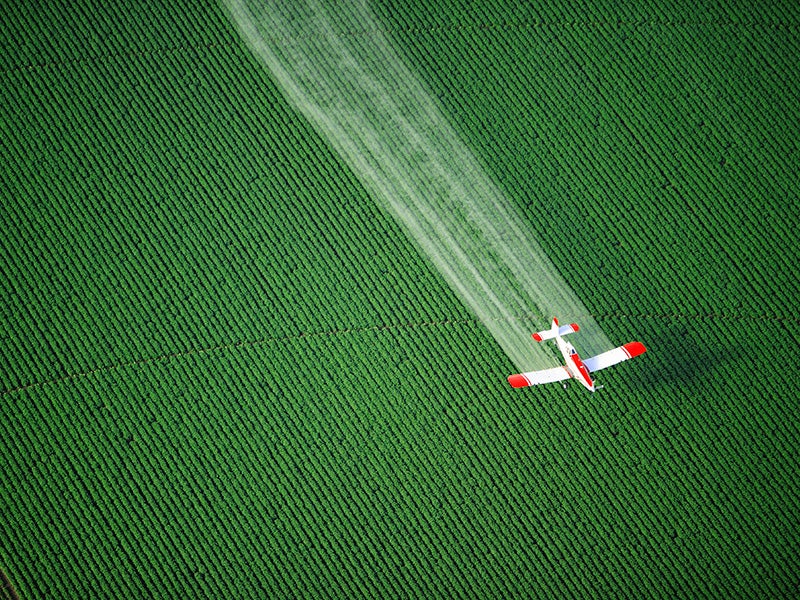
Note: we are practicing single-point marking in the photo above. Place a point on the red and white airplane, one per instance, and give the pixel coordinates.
(575, 367)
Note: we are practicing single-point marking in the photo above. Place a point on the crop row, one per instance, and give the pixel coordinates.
(150, 250)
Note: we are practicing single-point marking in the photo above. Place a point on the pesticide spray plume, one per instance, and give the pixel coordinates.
(336, 68)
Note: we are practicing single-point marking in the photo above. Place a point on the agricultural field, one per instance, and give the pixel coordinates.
(226, 371)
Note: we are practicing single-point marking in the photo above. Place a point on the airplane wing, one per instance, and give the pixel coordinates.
(612, 357)
(538, 377)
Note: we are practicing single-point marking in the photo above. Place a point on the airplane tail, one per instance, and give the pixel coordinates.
(555, 331)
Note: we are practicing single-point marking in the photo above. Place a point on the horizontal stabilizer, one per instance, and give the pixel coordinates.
(555, 330)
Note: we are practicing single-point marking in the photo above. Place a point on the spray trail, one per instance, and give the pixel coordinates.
(358, 95)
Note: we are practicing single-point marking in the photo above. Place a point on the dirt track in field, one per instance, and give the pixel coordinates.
(7, 590)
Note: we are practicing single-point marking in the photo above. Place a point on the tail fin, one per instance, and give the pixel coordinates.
(555, 331)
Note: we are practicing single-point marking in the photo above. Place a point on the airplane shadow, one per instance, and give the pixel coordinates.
(682, 352)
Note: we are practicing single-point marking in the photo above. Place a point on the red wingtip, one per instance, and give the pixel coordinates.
(537, 337)
(574, 327)
(635, 348)
(517, 381)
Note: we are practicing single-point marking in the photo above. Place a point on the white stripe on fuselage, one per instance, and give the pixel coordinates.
(572, 360)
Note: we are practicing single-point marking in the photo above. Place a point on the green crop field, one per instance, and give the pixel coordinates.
(226, 371)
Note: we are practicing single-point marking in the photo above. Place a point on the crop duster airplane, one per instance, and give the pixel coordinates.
(575, 368)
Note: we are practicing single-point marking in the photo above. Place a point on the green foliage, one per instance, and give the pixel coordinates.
(225, 372)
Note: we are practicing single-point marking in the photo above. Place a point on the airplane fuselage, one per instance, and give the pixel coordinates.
(574, 364)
